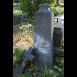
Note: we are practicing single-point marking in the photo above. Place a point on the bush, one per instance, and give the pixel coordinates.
(31, 6)
(26, 30)
(55, 11)
(22, 75)
(35, 71)
(19, 55)
(16, 15)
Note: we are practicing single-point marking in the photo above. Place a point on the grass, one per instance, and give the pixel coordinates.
(16, 39)
(23, 39)
(32, 70)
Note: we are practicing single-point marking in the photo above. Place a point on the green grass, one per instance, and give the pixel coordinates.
(34, 71)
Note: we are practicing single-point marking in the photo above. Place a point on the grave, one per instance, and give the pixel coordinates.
(47, 36)
(28, 56)
(58, 30)
(43, 35)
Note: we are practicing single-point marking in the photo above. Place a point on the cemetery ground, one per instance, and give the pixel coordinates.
(23, 39)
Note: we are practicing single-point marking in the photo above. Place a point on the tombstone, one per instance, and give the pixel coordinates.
(28, 56)
(58, 30)
(43, 35)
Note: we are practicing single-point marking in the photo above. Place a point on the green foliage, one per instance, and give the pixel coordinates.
(55, 11)
(30, 17)
(31, 6)
(26, 30)
(53, 3)
(16, 15)
(34, 72)
(61, 10)
(15, 39)
(22, 75)
(19, 55)
(60, 67)
(47, 1)
(17, 11)
(25, 27)
(27, 6)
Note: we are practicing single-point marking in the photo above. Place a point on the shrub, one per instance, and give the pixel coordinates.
(19, 55)
(16, 15)
(31, 6)
(43, 72)
(34, 71)
(26, 30)
(22, 75)
(55, 11)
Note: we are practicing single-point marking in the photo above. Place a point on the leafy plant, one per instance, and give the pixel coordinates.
(60, 67)
(30, 17)
(15, 39)
(22, 75)
(19, 55)
(55, 11)
(16, 14)
(17, 10)
(43, 72)
(26, 30)
(35, 71)
(31, 6)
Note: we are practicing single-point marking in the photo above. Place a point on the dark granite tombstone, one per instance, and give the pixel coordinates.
(57, 36)
(58, 31)
(43, 35)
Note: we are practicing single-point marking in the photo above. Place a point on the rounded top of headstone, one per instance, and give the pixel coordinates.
(44, 5)
(43, 8)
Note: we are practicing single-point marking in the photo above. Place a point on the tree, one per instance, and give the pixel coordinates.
(31, 6)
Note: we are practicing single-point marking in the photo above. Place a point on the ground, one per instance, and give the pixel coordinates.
(19, 41)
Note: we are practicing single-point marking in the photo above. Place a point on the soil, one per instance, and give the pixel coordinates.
(22, 42)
